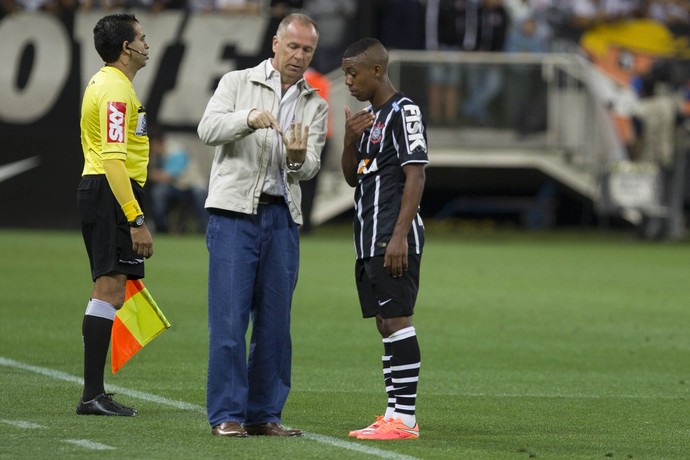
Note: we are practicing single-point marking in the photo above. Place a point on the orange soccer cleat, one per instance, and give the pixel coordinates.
(379, 421)
(391, 429)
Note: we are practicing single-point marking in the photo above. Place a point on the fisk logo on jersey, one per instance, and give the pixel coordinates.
(116, 121)
(367, 166)
(414, 127)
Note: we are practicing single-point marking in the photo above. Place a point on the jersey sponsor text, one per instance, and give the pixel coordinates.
(414, 127)
(116, 122)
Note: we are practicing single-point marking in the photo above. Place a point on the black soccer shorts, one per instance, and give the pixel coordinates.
(380, 293)
(105, 229)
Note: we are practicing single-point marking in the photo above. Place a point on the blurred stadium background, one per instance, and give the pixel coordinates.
(565, 168)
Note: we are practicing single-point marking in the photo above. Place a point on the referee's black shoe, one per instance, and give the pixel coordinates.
(104, 404)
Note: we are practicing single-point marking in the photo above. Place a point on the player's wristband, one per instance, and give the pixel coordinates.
(132, 210)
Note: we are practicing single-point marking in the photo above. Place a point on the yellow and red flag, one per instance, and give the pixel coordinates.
(137, 323)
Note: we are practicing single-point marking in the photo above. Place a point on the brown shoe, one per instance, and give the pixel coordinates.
(271, 429)
(232, 429)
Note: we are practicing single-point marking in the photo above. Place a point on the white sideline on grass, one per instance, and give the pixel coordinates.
(89, 444)
(58, 375)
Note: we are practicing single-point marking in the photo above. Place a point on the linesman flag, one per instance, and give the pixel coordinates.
(137, 323)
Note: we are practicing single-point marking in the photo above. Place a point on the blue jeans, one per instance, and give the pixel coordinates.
(484, 83)
(253, 267)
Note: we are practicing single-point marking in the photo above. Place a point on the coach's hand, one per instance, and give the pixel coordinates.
(142, 243)
(260, 119)
(295, 141)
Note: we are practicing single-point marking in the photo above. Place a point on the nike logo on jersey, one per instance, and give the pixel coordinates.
(381, 304)
(414, 127)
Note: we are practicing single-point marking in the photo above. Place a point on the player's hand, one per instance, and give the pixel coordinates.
(142, 243)
(261, 119)
(395, 258)
(295, 141)
(356, 124)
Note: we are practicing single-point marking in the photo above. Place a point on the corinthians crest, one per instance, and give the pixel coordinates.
(377, 132)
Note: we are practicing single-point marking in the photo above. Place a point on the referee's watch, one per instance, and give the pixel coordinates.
(137, 222)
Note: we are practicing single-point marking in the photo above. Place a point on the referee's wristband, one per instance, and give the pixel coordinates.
(132, 210)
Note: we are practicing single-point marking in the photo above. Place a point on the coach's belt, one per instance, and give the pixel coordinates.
(265, 198)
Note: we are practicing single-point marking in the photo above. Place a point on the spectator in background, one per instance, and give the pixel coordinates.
(8, 7)
(400, 23)
(278, 10)
(281, 8)
(176, 181)
(238, 6)
(334, 19)
(102, 4)
(485, 80)
(34, 5)
(675, 14)
(585, 14)
(446, 28)
(528, 33)
(56, 7)
(543, 11)
(656, 113)
(156, 6)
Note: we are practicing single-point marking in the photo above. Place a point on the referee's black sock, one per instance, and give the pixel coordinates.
(96, 329)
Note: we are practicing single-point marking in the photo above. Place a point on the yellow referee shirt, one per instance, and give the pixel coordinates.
(113, 125)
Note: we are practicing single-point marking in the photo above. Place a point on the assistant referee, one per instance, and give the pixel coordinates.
(116, 154)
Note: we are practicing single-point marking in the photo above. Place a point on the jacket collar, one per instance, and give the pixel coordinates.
(262, 73)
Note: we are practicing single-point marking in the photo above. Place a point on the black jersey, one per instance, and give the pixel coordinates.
(397, 137)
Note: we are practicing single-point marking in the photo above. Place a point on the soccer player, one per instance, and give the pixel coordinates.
(116, 153)
(384, 155)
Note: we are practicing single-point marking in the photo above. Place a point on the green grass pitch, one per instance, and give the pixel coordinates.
(555, 345)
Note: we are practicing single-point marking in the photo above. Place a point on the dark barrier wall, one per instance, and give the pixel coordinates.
(46, 61)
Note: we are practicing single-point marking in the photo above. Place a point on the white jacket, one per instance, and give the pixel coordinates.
(242, 154)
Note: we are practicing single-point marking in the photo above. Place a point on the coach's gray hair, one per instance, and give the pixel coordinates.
(299, 17)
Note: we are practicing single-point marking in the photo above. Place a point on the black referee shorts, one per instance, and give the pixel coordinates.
(105, 229)
(380, 293)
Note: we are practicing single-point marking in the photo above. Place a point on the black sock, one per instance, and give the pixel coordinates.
(405, 365)
(96, 336)
(388, 382)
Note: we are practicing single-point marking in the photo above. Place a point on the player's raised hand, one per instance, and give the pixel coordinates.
(356, 124)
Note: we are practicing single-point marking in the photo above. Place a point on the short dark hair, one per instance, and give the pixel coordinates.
(109, 33)
(361, 46)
